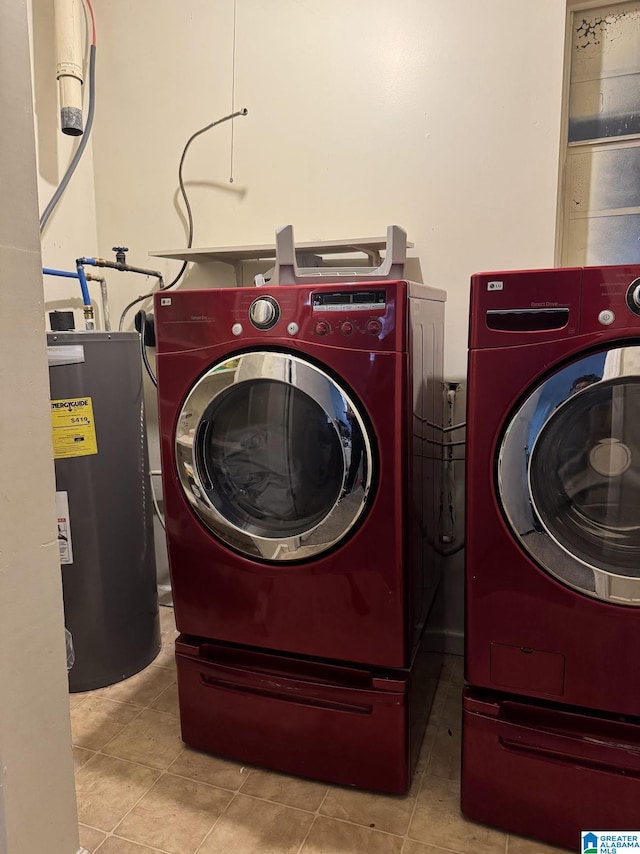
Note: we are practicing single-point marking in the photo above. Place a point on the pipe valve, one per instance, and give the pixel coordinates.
(120, 251)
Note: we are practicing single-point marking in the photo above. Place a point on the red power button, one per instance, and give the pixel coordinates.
(374, 327)
(346, 328)
(322, 328)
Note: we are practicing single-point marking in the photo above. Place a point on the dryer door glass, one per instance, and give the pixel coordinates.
(572, 452)
(271, 456)
(274, 456)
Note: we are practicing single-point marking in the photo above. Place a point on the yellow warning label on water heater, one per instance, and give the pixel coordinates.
(73, 427)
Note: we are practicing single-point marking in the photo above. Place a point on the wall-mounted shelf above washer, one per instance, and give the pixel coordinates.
(236, 255)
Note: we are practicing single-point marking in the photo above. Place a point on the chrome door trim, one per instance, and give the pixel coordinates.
(515, 492)
(351, 501)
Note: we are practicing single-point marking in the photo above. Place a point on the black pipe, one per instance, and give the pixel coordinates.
(118, 265)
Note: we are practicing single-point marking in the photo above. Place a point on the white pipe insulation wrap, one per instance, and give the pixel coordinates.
(69, 32)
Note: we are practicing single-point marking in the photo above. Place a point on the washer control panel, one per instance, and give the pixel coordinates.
(610, 299)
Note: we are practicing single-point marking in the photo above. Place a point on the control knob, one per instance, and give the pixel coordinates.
(264, 313)
(346, 328)
(322, 328)
(374, 327)
(633, 296)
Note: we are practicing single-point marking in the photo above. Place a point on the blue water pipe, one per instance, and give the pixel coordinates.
(49, 271)
(79, 274)
(83, 284)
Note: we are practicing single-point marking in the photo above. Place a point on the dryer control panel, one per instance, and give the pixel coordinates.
(369, 316)
(348, 312)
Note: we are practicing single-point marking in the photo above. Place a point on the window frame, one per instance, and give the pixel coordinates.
(565, 215)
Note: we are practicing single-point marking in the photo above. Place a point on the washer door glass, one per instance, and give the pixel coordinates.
(274, 456)
(569, 475)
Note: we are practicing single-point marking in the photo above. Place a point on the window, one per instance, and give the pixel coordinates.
(601, 204)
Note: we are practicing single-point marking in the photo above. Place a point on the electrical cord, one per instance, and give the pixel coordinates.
(154, 498)
(451, 551)
(88, 6)
(127, 308)
(183, 191)
(187, 204)
(143, 347)
(62, 186)
(446, 552)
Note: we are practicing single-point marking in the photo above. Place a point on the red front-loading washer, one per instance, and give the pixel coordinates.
(301, 474)
(551, 727)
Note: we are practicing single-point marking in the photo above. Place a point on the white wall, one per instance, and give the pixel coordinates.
(37, 797)
(442, 117)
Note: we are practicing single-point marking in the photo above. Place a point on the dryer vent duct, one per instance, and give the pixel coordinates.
(69, 24)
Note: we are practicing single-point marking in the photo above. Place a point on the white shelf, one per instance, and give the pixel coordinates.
(371, 246)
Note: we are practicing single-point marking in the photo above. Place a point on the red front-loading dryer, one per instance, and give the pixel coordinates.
(551, 735)
(300, 453)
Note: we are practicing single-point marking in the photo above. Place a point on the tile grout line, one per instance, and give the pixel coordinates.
(280, 804)
(215, 823)
(347, 821)
(316, 813)
(316, 816)
(107, 743)
(167, 771)
(429, 752)
(439, 847)
(104, 696)
(413, 811)
(161, 772)
(127, 703)
(138, 764)
(112, 835)
(193, 779)
(423, 773)
(133, 806)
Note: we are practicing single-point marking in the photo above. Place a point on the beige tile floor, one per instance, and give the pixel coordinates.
(141, 791)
